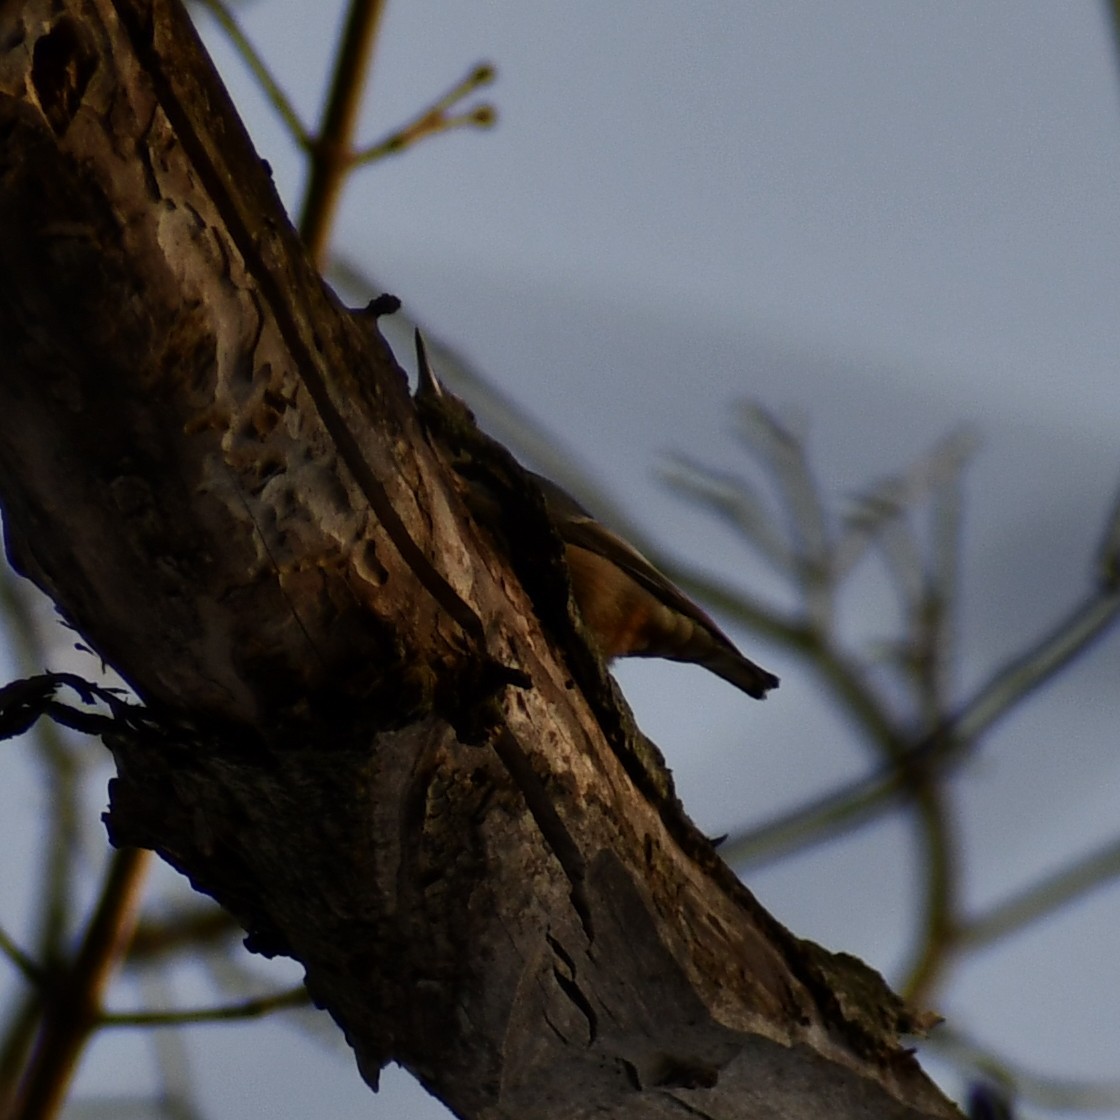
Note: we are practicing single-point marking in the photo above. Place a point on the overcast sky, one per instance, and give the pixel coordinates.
(888, 219)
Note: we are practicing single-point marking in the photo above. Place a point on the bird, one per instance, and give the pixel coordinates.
(632, 609)
(628, 606)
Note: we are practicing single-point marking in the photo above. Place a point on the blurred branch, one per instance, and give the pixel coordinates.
(230, 973)
(176, 1094)
(941, 898)
(1108, 551)
(924, 579)
(26, 965)
(817, 821)
(1043, 898)
(1024, 674)
(843, 809)
(735, 502)
(893, 497)
(197, 927)
(332, 149)
(920, 744)
(782, 453)
(74, 1008)
(332, 153)
(1114, 11)
(61, 772)
(943, 585)
(245, 1009)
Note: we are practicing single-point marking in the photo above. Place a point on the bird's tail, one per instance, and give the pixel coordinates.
(739, 671)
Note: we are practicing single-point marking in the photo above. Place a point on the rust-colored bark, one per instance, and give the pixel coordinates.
(393, 771)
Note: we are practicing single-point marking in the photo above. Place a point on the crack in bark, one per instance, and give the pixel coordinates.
(570, 987)
(548, 821)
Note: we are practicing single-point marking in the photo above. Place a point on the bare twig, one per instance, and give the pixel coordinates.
(943, 590)
(31, 970)
(734, 501)
(1044, 897)
(177, 1085)
(894, 496)
(1024, 673)
(1114, 10)
(436, 118)
(818, 821)
(783, 453)
(260, 71)
(245, 1009)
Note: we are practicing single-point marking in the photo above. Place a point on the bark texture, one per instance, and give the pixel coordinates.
(381, 754)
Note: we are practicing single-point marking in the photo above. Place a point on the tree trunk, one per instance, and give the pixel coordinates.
(369, 743)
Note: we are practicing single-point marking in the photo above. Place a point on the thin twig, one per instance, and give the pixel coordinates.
(1114, 9)
(783, 452)
(894, 495)
(252, 59)
(825, 818)
(246, 1009)
(192, 929)
(932, 643)
(436, 119)
(734, 501)
(177, 1085)
(1073, 635)
(23, 961)
(1044, 897)
(944, 580)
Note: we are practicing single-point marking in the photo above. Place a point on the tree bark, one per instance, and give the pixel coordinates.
(381, 754)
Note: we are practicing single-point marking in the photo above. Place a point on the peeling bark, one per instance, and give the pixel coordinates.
(391, 763)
